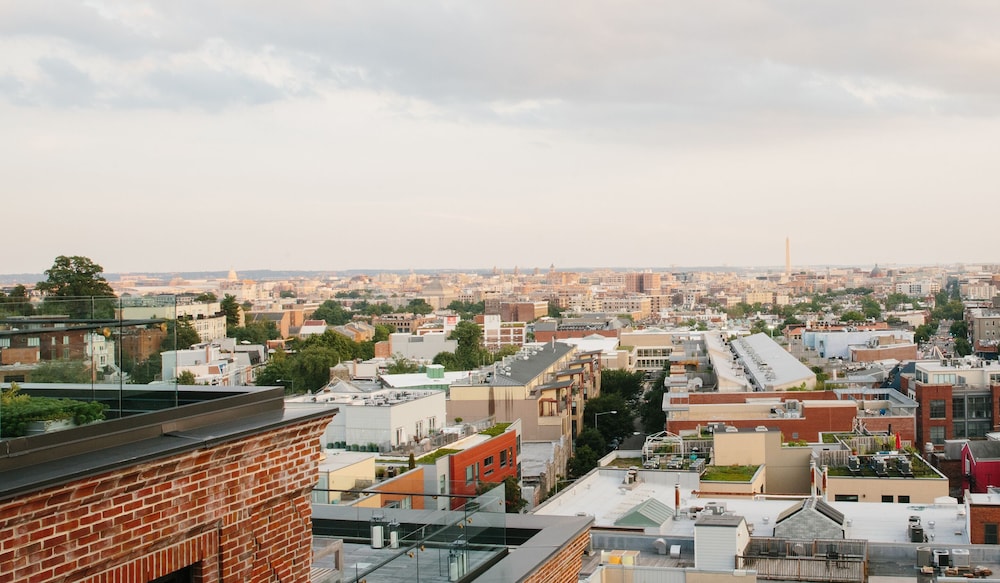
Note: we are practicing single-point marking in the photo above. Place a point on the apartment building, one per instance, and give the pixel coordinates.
(959, 398)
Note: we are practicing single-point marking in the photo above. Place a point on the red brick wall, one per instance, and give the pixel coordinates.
(238, 511)
(926, 394)
(565, 566)
(978, 517)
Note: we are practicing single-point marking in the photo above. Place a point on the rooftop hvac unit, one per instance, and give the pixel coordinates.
(959, 558)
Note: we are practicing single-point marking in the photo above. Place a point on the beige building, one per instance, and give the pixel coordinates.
(544, 385)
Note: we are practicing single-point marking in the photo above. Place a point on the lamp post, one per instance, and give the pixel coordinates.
(283, 381)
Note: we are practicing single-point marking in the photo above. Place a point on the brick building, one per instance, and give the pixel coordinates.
(215, 491)
(958, 398)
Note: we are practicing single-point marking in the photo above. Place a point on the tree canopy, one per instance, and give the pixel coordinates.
(69, 280)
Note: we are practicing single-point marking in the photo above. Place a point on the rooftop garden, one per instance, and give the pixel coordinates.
(729, 473)
(918, 466)
(495, 430)
(19, 411)
(434, 455)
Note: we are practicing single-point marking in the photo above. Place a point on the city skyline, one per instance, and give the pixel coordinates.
(198, 136)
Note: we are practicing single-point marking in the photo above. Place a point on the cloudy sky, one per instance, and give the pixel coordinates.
(333, 135)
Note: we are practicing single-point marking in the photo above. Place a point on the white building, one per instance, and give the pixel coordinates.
(388, 418)
(421, 348)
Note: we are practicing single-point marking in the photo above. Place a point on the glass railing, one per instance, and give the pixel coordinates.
(389, 543)
(89, 349)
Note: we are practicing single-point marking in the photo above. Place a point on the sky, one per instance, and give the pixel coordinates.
(209, 135)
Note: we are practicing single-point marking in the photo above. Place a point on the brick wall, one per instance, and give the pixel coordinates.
(564, 567)
(979, 516)
(236, 511)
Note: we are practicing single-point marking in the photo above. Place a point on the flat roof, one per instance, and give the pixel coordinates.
(603, 495)
(768, 362)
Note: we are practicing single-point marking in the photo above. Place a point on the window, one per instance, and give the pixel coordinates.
(903, 499)
(845, 498)
(34, 341)
(990, 534)
(503, 458)
(937, 435)
(937, 409)
(887, 498)
(488, 461)
(468, 474)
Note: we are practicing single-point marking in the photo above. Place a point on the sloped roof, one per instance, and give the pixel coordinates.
(815, 504)
(984, 450)
(649, 513)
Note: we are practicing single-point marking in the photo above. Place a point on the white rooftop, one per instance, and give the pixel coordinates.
(603, 495)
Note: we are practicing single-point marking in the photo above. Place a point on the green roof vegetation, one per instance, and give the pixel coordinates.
(495, 430)
(729, 473)
(434, 455)
(626, 462)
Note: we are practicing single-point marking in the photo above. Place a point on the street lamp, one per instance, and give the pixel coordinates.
(283, 381)
(596, 415)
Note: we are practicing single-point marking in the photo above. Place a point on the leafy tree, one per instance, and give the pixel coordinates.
(448, 361)
(419, 306)
(401, 365)
(593, 439)
(584, 459)
(852, 316)
(145, 371)
(621, 382)
(312, 367)
(332, 312)
(871, 309)
(186, 378)
(206, 298)
(613, 426)
(895, 300)
(69, 280)
(16, 303)
(963, 347)
(555, 311)
(255, 332)
(467, 309)
(959, 329)
(470, 353)
(382, 332)
(186, 335)
(66, 371)
(277, 370)
(231, 308)
(286, 293)
(654, 419)
(924, 332)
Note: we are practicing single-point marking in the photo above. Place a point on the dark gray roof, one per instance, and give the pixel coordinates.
(816, 504)
(984, 450)
(525, 371)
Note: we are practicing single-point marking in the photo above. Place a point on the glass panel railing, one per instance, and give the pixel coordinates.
(103, 350)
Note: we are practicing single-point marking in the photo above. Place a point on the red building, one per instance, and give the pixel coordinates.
(798, 415)
(980, 465)
(486, 460)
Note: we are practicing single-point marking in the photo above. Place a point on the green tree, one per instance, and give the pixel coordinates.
(312, 367)
(852, 316)
(584, 459)
(924, 332)
(621, 382)
(555, 311)
(654, 419)
(401, 365)
(959, 329)
(71, 286)
(470, 353)
(382, 332)
(871, 309)
(963, 347)
(206, 297)
(613, 426)
(448, 361)
(62, 371)
(593, 439)
(332, 313)
(419, 306)
(186, 336)
(255, 332)
(16, 303)
(895, 300)
(186, 378)
(231, 308)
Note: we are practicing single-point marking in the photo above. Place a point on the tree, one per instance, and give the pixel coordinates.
(555, 311)
(871, 309)
(583, 460)
(231, 308)
(419, 306)
(206, 298)
(613, 427)
(470, 353)
(255, 332)
(654, 419)
(401, 365)
(332, 313)
(62, 371)
(312, 367)
(71, 287)
(621, 382)
(186, 336)
(16, 303)
(186, 378)
(852, 316)
(382, 332)
(959, 329)
(593, 439)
